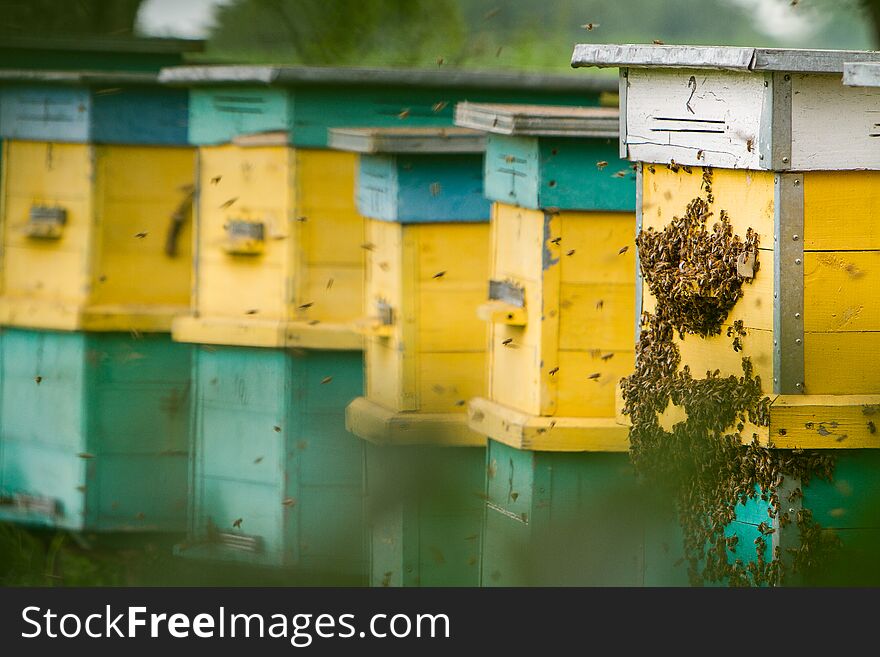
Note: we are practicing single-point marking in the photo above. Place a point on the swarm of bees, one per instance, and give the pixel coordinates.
(708, 460)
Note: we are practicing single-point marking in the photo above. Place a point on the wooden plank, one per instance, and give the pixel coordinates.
(596, 316)
(842, 363)
(825, 421)
(716, 353)
(546, 433)
(840, 291)
(584, 174)
(218, 114)
(578, 393)
(380, 425)
(862, 74)
(839, 210)
(675, 114)
(407, 140)
(539, 120)
(591, 245)
(832, 125)
(447, 379)
(747, 196)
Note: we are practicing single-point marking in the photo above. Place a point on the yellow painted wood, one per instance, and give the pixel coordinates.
(578, 394)
(108, 270)
(377, 424)
(542, 433)
(746, 195)
(578, 276)
(432, 276)
(716, 353)
(842, 363)
(308, 275)
(597, 239)
(841, 291)
(840, 210)
(825, 421)
(499, 312)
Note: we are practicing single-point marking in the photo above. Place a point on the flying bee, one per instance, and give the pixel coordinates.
(589, 27)
(38, 379)
(658, 42)
(306, 306)
(507, 341)
(556, 240)
(258, 460)
(228, 203)
(439, 274)
(215, 180)
(600, 304)
(141, 235)
(252, 311)
(368, 246)
(276, 429)
(439, 106)
(872, 428)
(607, 356)
(553, 371)
(403, 114)
(85, 455)
(326, 380)
(329, 283)
(570, 253)
(288, 502)
(435, 189)
(440, 61)
(623, 250)
(313, 322)
(237, 523)
(594, 376)
(601, 164)
(620, 174)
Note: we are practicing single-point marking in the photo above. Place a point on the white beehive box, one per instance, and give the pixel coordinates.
(741, 108)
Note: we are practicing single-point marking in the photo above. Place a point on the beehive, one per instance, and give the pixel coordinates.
(561, 316)
(96, 246)
(278, 226)
(428, 238)
(787, 151)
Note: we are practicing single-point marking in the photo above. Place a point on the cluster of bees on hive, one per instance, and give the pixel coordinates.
(707, 461)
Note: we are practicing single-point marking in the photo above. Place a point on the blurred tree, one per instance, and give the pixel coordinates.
(340, 31)
(68, 17)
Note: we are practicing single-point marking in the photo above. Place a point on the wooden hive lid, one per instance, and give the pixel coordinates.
(407, 140)
(539, 120)
(361, 77)
(729, 58)
(862, 74)
(78, 78)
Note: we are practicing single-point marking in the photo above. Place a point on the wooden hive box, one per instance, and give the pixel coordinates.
(428, 245)
(788, 152)
(277, 226)
(94, 421)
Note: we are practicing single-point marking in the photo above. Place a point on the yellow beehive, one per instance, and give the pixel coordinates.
(279, 247)
(86, 231)
(562, 289)
(840, 330)
(427, 245)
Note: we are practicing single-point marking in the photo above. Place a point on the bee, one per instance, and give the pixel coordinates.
(623, 250)
(435, 189)
(620, 174)
(460, 402)
(384, 266)
(556, 240)
(302, 219)
(439, 274)
(329, 283)
(305, 306)
(872, 428)
(570, 252)
(313, 322)
(215, 180)
(38, 379)
(228, 203)
(439, 106)
(498, 52)
(386, 579)
(492, 469)
(600, 304)
(85, 455)
(492, 13)
(102, 278)
(141, 235)
(252, 311)
(514, 496)
(81, 489)
(368, 246)
(607, 356)
(276, 429)
(553, 371)
(440, 61)
(258, 460)
(594, 376)
(589, 27)
(601, 164)
(700, 154)
(658, 42)
(403, 114)
(326, 380)
(288, 502)
(750, 143)
(237, 523)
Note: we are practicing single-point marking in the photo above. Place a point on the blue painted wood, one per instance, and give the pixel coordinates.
(562, 173)
(424, 188)
(424, 511)
(587, 506)
(98, 424)
(129, 115)
(270, 448)
(308, 111)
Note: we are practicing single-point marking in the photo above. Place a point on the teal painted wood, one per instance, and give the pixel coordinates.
(102, 436)
(555, 172)
(424, 514)
(270, 448)
(586, 506)
(427, 188)
(220, 113)
(848, 507)
(118, 115)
